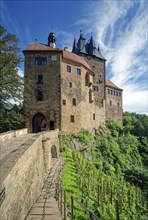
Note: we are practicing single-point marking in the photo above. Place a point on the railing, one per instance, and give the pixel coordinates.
(67, 212)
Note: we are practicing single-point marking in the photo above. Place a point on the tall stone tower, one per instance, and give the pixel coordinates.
(94, 58)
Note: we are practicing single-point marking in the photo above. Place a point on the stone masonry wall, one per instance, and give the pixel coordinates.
(86, 113)
(50, 87)
(24, 182)
(11, 134)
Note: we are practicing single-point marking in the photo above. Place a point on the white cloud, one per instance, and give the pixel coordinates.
(135, 101)
(121, 31)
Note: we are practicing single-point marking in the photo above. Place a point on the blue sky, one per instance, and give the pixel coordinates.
(119, 27)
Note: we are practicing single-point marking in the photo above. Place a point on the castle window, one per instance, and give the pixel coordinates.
(39, 95)
(118, 104)
(108, 91)
(64, 102)
(94, 116)
(111, 92)
(70, 84)
(95, 88)
(116, 93)
(40, 79)
(53, 57)
(110, 103)
(78, 71)
(40, 61)
(72, 118)
(68, 68)
(120, 94)
(74, 101)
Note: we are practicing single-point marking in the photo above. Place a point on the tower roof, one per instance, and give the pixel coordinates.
(86, 48)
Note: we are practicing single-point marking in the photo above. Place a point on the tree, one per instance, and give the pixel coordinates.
(11, 84)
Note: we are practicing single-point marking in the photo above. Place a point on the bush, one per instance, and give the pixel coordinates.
(85, 136)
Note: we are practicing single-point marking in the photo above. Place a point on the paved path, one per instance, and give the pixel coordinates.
(46, 207)
(11, 152)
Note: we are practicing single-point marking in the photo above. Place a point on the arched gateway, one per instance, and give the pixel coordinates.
(38, 123)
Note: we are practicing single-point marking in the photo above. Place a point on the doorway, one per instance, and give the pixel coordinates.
(36, 122)
(51, 125)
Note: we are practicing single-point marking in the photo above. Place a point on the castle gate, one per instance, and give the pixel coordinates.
(38, 123)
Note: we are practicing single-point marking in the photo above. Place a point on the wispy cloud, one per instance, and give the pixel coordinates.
(121, 29)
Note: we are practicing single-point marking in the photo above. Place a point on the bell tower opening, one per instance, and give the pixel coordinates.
(52, 40)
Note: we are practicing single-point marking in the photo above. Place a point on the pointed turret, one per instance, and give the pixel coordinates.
(81, 43)
(91, 46)
(74, 48)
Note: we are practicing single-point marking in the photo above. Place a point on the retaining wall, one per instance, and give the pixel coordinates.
(24, 182)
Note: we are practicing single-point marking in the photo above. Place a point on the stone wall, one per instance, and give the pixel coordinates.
(12, 134)
(24, 182)
(86, 113)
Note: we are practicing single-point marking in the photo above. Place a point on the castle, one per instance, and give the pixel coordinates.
(68, 90)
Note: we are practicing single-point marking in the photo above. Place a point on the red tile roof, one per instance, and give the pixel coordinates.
(71, 56)
(66, 54)
(38, 46)
(112, 85)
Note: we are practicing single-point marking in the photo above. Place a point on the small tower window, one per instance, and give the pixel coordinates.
(120, 94)
(54, 58)
(40, 79)
(116, 93)
(68, 68)
(95, 88)
(94, 116)
(118, 104)
(70, 84)
(64, 102)
(78, 71)
(39, 95)
(74, 101)
(110, 103)
(72, 118)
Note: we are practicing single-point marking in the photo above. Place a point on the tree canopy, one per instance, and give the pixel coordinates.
(11, 84)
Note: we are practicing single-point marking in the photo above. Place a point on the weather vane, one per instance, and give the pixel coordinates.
(51, 27)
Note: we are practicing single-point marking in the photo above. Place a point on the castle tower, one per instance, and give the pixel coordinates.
(52, 40)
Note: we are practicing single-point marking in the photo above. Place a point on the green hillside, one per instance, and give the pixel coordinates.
(107, 171)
